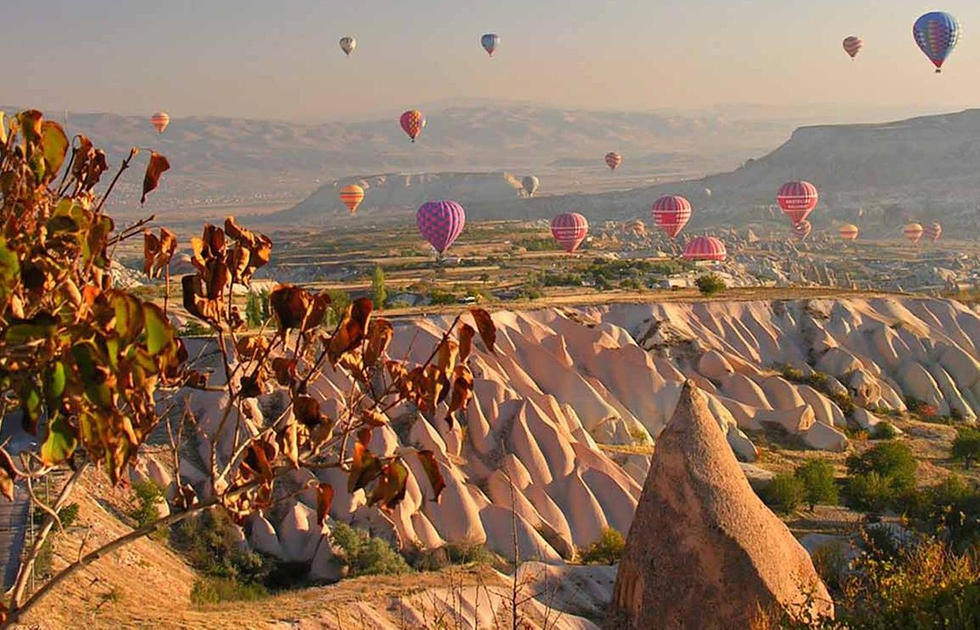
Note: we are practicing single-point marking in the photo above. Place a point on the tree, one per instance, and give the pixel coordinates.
(253, 310)
(819, 486)
(90, 365)
(784, 494)
(966, 446)
(379, 294)
(710, 284)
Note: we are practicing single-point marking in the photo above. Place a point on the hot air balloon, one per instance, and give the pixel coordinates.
(848, 232)
(671, 214)
(936, 33)
(705, 248)
(490, 41)
(352, 196)
(348, 44)
(853, 45)
(932, 231)
(707, 191)
(613, 160)
(802, 230)
(797, 199)
(440, 223)
(412, 122)
(913, 232)
(569, 229)
(160, 120)
(530, 185)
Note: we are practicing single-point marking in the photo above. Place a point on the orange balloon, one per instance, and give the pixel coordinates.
(352, 196)
(160, 120)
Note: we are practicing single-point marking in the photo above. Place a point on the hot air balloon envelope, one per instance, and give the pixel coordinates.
(797, 199)
(936, 34)
(613, 160)
(160, 120)
(853, 45)
(412, 123)
(671, 213)
(530, 185)
(352, 196)
(490, 41)
(932, 231)
(348, 44)
(440, 223)
(569, 229)
(848, 231)
(705, 248)
(913, 232)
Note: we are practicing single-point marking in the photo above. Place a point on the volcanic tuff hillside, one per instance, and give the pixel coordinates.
(564, 410)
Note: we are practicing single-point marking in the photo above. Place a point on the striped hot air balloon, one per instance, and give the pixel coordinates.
(671, 213)
(440, 223)
(490, 41)
(932, 231)
(352, 195)
(802, 230)
(613, 160)
(569, 229)
(705, 248)
(160, 120)
(853, 45)
(936, 34)
(797, 199)
(913, 232)
(412, 122)
(848, 232)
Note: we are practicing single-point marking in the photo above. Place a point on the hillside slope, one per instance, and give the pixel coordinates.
(876, 175)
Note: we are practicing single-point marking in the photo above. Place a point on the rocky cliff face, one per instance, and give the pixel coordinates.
(566, 411)
(703, 551)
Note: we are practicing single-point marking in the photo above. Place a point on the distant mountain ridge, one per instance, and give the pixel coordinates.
(237, 162)
(876, 175)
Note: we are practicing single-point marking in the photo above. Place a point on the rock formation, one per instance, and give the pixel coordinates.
(703, 550)
(568, 388)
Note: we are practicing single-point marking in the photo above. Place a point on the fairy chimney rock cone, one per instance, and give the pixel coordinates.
(703, 551)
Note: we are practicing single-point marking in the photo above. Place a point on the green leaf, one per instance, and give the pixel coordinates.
(41, 326)
(159, 333)
(60, 442)
(129, 315)
(9, 269)
(54, 144)
(54, 384)
(30, 402)
(93, 375)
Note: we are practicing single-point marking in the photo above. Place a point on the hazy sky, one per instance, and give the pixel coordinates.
(280, 59)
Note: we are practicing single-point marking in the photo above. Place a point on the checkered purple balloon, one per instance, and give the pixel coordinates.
(440, 222)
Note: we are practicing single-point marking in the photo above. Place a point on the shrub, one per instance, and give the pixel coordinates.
(952, 510)
(784, 494)
(607, 549)
(817, 477)
(211, 590)
(450, 554)
(710, 284)
(871, 492)
(885, 431)
(924, 585)
(212, 546)
(367, 555)
(148, 499)
(891, 460)
(966, 446)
